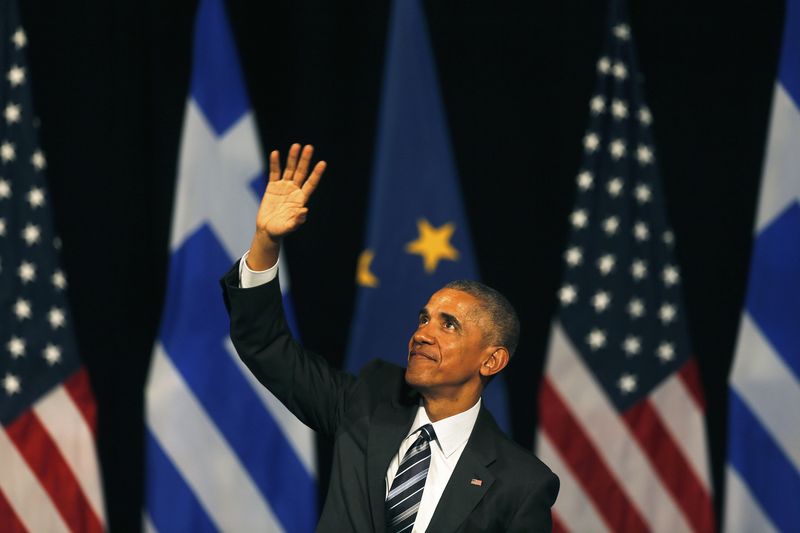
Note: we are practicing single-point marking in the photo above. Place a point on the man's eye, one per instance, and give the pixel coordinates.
(449, 324)
(423, 320)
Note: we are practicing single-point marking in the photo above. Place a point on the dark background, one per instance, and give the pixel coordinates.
(110, 81)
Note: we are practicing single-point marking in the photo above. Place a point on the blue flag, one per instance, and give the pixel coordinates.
(222, 453)
(418, 237)
(763, 471)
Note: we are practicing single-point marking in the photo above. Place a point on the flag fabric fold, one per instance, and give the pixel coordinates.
(222, 453)
(49, 472)
(762, 482)
(417, 234)
(621, 412)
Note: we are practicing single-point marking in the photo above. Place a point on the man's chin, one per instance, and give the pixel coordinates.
(414, 378)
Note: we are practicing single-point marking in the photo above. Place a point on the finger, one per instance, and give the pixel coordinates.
(274, 166)
(291, 161)
(313, 180)
(302, 168)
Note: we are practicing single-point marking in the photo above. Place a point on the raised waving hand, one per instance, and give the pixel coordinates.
(283, 206)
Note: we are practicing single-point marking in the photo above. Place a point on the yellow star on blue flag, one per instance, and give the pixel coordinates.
(433, 244)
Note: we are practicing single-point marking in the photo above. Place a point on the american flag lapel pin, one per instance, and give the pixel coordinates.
(475, 481)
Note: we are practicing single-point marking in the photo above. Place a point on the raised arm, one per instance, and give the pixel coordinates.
(302, 380)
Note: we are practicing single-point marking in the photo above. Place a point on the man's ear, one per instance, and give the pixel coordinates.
(496, 361)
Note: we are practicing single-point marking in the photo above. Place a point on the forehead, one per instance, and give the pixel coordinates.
(453, 302)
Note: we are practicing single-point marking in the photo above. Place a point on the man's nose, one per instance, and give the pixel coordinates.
(421, 336)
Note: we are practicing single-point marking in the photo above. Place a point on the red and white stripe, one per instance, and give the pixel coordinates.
(50, 480)
(646, 470)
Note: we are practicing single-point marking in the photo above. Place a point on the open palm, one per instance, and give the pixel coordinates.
(283, 206)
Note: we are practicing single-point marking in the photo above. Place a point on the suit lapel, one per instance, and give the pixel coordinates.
(471, 478)
(390, 424)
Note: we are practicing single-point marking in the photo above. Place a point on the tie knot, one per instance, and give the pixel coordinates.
(426, 432)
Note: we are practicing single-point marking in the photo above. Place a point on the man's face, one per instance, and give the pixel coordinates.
(446, 351)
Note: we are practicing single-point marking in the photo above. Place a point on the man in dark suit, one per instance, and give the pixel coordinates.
(415, 449)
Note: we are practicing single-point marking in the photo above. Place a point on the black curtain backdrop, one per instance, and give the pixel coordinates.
(110, 82)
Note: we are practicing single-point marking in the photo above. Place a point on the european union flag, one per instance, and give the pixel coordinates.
(418, 238)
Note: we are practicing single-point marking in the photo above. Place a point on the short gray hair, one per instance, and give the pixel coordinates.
(505, 322)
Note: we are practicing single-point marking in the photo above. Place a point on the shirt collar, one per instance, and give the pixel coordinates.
(451, 432)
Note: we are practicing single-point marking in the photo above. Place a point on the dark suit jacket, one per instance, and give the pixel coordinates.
(369, 416)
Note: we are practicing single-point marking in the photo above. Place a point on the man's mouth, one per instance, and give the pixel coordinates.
(420, 353)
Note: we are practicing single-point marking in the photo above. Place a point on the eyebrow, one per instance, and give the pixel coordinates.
(443, 316)
(451, 318)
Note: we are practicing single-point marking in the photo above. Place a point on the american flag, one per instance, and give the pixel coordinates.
(49, 479)
(620, 407)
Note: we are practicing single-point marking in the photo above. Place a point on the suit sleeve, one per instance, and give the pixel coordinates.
(534, 513)
(303, 381)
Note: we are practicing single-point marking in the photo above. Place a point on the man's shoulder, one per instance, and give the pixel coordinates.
(380, 369)
(523, 476)
(511, 457)
(383, 381)
(524, 461)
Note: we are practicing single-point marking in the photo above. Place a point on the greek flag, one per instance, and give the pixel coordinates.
(222, 452)
(763, 471)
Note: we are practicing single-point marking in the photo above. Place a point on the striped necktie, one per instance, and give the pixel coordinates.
(403, 499)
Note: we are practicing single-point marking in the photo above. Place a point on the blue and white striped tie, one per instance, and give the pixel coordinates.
(404, 497)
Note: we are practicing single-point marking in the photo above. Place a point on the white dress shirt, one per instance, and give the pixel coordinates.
(452, 433)
(253, 278)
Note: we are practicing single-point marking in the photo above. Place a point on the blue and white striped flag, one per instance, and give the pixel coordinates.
(222, 452)
(763, 471)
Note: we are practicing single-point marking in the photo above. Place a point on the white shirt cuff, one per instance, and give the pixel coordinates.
(253, 278)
